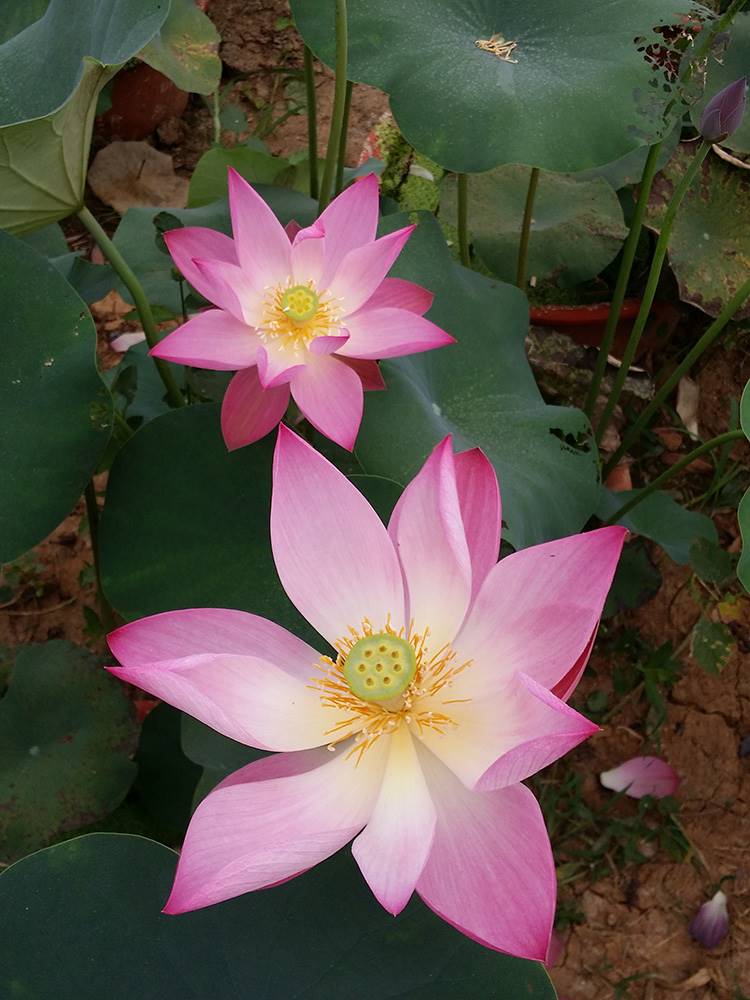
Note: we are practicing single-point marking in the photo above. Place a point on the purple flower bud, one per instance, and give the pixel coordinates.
(724, 112)
(710, 925)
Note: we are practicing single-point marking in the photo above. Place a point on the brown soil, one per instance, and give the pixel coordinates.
(636, 919)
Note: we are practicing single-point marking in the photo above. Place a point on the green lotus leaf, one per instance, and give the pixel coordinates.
(186, 49)
(576, 230)
(709, 249)
(51, 74)
(475, 85)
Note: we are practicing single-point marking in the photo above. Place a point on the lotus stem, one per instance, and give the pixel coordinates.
(312, 123)
(463, 219)
(673, 471)
(623, 277)
(652, 283)
(528, 212)
(341, 161)
(702, 345)
(92, 512)
(339, 106)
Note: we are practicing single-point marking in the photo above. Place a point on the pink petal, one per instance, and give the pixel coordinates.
(174, 634)
(327, 345)
(393, 848)
(710, 925)
(391, 333)
(248, 411)
(195, 241)
(246, 698)
(490, 872)
(291, 229)
(350, 221)
(263, 247)
(308, 255)
(504, 739)
(479, 496)
(211, 339)
(362, 269)
(127, 340)
(569, 682)
(642, 776)
(330, 395)
(333, 554)
(271, 821)
(396, 293)
(368, 371)
(276, 366)
(537, 609)
(229, 287)
(428, 533)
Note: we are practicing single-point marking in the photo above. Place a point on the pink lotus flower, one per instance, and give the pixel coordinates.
(447, 690)
(641, 776)
(307, 312)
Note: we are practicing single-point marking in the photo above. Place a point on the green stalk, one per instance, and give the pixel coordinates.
(652, 283)
(312, 123)
(623, 277)
(216, 116)
(135, 288)
(702, 345)
(463, 219)
(673, 471)
(340, 162)
(523, 246)
(339, 106)
(92, 512)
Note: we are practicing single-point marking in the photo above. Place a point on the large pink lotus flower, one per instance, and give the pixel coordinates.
(307, 312)
(447, 690)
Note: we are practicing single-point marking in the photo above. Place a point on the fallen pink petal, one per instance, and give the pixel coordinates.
(641, 776)
(300, 308)
(414, 738)
(710, 925)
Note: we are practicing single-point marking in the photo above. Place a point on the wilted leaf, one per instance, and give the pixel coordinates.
(710, 645)
(125, 174)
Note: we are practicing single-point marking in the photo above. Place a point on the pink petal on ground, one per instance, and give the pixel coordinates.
(229, 287)
(333, 554)
(207, 244)
(174, 634)
(428, 534)
(272, 820)
(391, 333)
(211, 339)
(127, 340)
(330, 395)
(501, 740)
(362, 269)
(537, 609)
(350, 221)
(397, 293)
(276, 366)
(248, 411)
(393, 848)
(479, 496)
(262, 246)
(245, 698)
(490, 873)
(710, 925)
(642, 776)
(369, 373)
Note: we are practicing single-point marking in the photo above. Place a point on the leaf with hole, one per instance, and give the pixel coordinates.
(186, 49)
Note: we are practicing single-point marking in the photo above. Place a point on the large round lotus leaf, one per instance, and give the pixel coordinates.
(480, 390)
(735, 62)
(55, 412)
(709, 250)
(576, 230)
(66, 738)
(186, 49)
(574, 87)
(81, 921)
(186, 523)
(50, 76)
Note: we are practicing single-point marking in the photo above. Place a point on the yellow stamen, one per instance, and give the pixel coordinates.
(293, 315)
(368, 721)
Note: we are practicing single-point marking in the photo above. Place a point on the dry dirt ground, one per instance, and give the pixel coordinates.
(635, 920)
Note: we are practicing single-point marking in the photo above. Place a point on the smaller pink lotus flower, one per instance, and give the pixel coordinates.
(710, 925)
(307, 312)
(642, 776)
(447, 689)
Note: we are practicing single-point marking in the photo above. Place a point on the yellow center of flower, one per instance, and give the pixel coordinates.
(412, 686)
(292, 316)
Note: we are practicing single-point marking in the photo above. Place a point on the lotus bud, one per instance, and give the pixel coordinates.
(642, 776)
(724, 112)
(710, 925)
